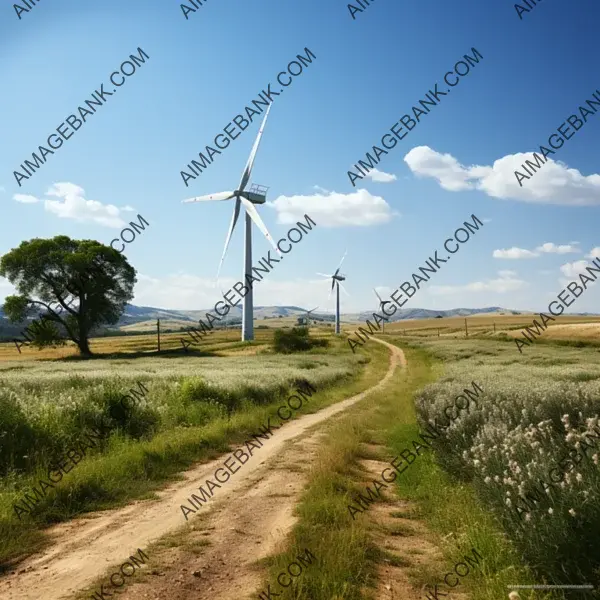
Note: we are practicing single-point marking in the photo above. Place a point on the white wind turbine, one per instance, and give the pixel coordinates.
(382, 303)
(336, 280)
(306, 320)
(256, 195)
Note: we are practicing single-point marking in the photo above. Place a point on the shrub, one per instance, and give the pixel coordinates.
(296, 340)
(136, 422)
(17, 437)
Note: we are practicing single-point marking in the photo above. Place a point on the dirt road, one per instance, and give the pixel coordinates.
(249, 516)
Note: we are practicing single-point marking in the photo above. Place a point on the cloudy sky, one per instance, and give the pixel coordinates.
(459, 160)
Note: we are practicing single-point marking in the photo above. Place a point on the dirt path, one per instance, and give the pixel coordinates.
(248, 525)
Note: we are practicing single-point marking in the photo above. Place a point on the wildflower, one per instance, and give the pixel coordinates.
(595, 458)
(550, 511)
(572, 512)
(579, 477)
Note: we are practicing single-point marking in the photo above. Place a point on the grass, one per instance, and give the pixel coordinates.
(128, 468)
(345, 548)
(534, 412)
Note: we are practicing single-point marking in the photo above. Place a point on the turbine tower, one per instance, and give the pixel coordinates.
(257, 194)
(336, 280)
(382, 303)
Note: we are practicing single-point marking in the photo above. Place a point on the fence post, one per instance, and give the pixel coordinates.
(158, 332)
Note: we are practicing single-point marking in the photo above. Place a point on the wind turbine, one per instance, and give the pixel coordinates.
(306, 320)
(336, 280)
(382, 303)
(257, 194)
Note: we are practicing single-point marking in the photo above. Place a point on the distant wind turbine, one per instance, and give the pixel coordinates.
(257, 194)
(382, 303)
(306, 319)
(336, 280)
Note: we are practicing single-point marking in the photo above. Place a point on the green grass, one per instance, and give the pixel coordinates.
(532, 414)
(345, 548)
(128, 468)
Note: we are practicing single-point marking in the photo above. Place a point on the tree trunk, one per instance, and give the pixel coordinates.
(84, 347)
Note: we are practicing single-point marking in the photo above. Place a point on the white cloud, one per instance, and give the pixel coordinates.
(25, 198)
(574, 268)
(514, 253)
(594, 253)
(380, 176)
(553, 183)
(73, 205)
(189, 292)
(507, 273)
(449, 173)
(550, 248)
(2, 188)
(332, 209)
(503, 284)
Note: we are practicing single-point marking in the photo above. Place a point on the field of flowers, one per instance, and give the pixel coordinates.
(45, 406)
(535, 408)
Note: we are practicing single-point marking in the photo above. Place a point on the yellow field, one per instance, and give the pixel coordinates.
(222, 342)
(228, 342)
(569, 327)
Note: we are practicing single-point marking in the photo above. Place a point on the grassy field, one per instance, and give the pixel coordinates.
(349, 558)
(535, 410)
(564, 328)
(194, 407)
(219, 339)
(483, 326)
(538, 408)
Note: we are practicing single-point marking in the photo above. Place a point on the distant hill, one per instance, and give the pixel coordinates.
(139, 318)
(425, 313)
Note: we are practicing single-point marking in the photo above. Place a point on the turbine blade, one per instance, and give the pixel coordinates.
(323, 275)
(234, 218)
(380, 299)
(313, 310)
(332, 283)
(216, 197)
(343, 289)
(248, 170)
(251, 210)
(341, 261)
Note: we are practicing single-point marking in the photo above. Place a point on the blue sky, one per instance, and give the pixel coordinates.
(368, 72)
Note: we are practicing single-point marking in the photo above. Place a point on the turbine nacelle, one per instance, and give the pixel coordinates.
(257, 194)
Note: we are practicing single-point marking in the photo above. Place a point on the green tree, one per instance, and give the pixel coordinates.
(89, 283)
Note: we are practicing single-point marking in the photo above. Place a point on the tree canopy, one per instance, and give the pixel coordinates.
(89, 284)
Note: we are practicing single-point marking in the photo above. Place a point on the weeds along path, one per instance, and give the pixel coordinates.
(83, 551)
